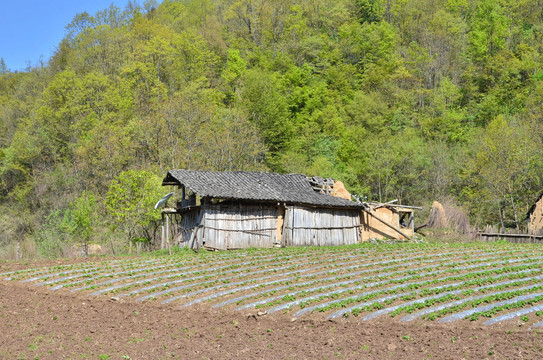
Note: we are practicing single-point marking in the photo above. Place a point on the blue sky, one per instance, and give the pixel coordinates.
(33, 28)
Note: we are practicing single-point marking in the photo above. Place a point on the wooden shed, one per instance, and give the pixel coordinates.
(240, 209)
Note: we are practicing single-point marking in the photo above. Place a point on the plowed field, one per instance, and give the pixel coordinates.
(445, 301)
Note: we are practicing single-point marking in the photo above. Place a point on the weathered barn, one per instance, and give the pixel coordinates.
(240, 209)
(232, 210)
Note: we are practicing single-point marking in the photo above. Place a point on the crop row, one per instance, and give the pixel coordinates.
(437, 282)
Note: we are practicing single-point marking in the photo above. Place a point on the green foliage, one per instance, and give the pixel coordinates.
(489, 29)
(130, 201)
(508, 167)
(405, 99)
(54, 238)
(3, 67)
(84, 217)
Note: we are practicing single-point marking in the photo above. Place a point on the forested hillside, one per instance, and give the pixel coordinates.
(411, 99)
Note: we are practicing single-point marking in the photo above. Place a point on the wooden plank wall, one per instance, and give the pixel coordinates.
(239, 226)
(183, 231)
(317, 227)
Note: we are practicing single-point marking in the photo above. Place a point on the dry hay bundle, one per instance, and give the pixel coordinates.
(338, 190)
(448, 215)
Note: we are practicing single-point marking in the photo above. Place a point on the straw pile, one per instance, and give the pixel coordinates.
(450, 216)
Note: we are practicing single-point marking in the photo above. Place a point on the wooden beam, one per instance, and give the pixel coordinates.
(421, 227)
(405, 206)
(512, 235)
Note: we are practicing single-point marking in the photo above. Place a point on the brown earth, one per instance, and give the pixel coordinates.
(36, 323)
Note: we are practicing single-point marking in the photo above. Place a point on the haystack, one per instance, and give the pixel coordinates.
(338, 190)
(449, 215)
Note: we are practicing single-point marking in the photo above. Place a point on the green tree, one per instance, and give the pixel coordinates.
(505, 171)
(235, 66)
(84, 218)
(230, 142)
(3, 67)
(397, 167)
(369, 10)
(489, 29)
(130, 201)
(262, 97)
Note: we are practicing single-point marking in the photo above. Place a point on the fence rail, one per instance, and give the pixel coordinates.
(511, 237)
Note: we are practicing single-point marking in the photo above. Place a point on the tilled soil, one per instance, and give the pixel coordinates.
(39, 324)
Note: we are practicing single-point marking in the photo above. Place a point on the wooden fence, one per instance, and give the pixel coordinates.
(490, 234)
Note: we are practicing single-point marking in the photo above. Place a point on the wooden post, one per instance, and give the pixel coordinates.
(162, 234)
(18, 251)
(168, 230)
(168, 236)
(280, 223)
(293, 219)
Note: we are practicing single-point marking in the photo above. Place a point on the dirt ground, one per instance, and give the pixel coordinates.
(36, 323)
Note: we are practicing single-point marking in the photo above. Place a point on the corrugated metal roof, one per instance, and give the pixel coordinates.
(259, 186)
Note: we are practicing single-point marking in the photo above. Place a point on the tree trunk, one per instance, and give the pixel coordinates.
(514, 212)
(18, 251)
